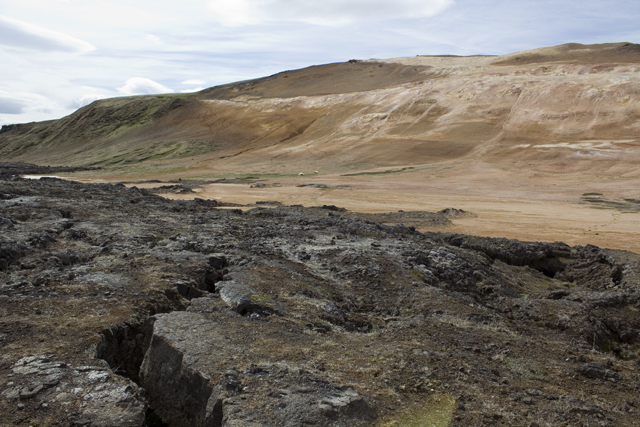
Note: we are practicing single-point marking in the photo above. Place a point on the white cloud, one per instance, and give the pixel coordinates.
(23, 35)
(27, 104)
(153, 39)
(197, 89)
(142, 86)
(193, 82)
(235, 12)
(322, 12)
(10, 105)
(85, 99)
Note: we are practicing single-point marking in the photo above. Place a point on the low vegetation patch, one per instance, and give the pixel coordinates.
(389, 171)
(597, 201)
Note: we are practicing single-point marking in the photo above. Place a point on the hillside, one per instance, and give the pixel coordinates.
(571, 107)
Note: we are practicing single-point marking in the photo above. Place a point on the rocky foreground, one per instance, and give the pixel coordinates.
(121, 308)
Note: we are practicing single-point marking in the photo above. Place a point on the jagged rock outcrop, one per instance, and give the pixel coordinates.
(206, 367)
(92, 395)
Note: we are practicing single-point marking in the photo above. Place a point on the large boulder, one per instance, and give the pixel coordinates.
(200, 370)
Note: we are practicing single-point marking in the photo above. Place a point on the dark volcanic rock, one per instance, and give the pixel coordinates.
(246, 300)
(199, 372)
(593, 370)
(107, 400)
(9, 169)
(294, 316)
(175, 189)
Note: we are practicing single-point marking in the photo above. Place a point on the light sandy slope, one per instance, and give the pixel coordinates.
(577, 115)
(552, 117)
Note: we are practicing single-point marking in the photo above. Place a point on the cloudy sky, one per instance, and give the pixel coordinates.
(59, 55)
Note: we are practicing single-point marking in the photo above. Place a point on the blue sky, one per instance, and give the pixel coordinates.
(59, 55)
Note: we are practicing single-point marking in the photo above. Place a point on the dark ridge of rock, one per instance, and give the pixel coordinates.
(298, 316)
(456, 213)
(9, 169)
(13, 127)
(556, 260)
(408, 219)
(175, 189)
(333, 208)
(191, 390)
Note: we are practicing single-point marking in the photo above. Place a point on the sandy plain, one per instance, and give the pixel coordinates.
(505, 203)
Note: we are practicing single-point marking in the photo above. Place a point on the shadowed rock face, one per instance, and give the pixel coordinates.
(565, 108)
(186, 372)
(576, 53)
(298, 316)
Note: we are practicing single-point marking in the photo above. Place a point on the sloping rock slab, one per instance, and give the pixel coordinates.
(83, 395)
(246, 300)
(199, 370)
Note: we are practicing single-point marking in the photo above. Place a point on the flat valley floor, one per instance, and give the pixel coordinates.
(575, 208)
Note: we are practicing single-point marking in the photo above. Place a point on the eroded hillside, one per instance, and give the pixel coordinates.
(566, 108)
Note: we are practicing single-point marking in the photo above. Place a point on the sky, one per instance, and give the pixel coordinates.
(59, 55)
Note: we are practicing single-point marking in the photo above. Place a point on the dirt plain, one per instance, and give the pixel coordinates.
(504, 205)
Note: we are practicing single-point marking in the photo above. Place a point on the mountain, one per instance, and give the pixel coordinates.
(565, 108)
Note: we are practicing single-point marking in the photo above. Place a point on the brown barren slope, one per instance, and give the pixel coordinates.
(370, 113)
(576, 53)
